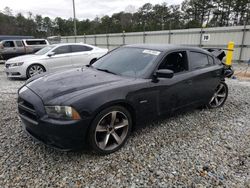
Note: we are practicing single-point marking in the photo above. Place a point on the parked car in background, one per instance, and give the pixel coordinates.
(17, 47)
(53, 58)
(98, 106)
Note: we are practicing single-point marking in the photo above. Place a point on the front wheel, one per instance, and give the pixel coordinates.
(110, 130)
(219, 97)
(35, 69)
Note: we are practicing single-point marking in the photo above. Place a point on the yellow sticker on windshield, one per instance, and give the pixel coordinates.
(151, 52)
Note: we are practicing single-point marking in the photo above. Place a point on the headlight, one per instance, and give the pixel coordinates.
(16, 64)
(62, 112)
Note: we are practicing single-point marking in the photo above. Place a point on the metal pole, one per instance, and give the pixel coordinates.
(123, 37)
(201, 33)
(74, 12)
(169, 34)
(107, 35)
(243, 40)
(144, 35)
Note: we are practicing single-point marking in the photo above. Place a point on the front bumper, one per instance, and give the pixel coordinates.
(15, 72)
(60, 134)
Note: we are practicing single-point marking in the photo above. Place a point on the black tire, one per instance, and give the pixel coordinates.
(92, 61)
(34, 65)
(219, 92)
(95, 137)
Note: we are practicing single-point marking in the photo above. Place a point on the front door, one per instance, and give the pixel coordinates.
(176, 92)
(61, 60)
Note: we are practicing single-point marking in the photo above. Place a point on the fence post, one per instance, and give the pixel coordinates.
(95, 40)
(243, 41)
(107, 41)
(144, 37)
(84, 38)
(123, 37)
(169, 34)
(67, 40)
(169, 37)
(201, 33)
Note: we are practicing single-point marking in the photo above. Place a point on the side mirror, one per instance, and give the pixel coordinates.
(51, 54)
(164, 73)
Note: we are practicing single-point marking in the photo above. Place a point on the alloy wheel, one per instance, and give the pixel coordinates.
(111, 130)
(34, 70)
(219, 96)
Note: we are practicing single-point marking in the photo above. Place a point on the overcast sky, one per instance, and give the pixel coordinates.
(84, 8)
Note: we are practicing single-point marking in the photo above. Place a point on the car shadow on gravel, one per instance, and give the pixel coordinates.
(17, 79)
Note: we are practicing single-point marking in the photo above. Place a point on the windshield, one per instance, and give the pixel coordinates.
(44, 50)
(127, 61)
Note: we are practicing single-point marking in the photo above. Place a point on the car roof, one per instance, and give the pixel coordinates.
(80, 43)
(166, 47)
(33, 39)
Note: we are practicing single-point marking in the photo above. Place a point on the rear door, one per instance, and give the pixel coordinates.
(61, 59)
(81, 55)
(206, 75)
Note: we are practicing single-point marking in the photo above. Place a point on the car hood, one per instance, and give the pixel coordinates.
(52, 86)
(24, 58)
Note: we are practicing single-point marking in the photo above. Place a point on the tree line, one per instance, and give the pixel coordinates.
(189, 14)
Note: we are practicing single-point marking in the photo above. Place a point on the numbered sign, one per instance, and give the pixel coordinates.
(205, 37)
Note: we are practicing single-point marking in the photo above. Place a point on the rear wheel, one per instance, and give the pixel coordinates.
(219, 97)
(92, 61)
(35, 69)
(110, 130)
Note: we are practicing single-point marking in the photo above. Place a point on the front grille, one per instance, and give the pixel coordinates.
(27, 109)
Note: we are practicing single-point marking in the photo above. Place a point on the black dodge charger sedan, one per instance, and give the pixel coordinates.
(97, 106)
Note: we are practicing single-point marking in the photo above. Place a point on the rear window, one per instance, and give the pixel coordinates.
(36, 42)
(198, 60)
(211, 60)
(80, 48)
(19, 43)
(62, 50)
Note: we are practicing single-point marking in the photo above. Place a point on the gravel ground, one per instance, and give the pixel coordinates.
(201, 148)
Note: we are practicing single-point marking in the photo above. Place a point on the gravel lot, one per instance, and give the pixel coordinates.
(201, 148)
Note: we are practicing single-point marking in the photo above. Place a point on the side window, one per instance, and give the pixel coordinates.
(62, 50)
(210, 60)
(36, 42)
(19, 43)
(80, 48)
(9, 44)
(198, 60)
(176, 61)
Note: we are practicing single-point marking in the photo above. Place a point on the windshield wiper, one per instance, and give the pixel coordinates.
(106, 70)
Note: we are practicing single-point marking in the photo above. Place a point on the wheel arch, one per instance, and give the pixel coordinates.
(45, 70)
(123, 103)
(93, 60)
